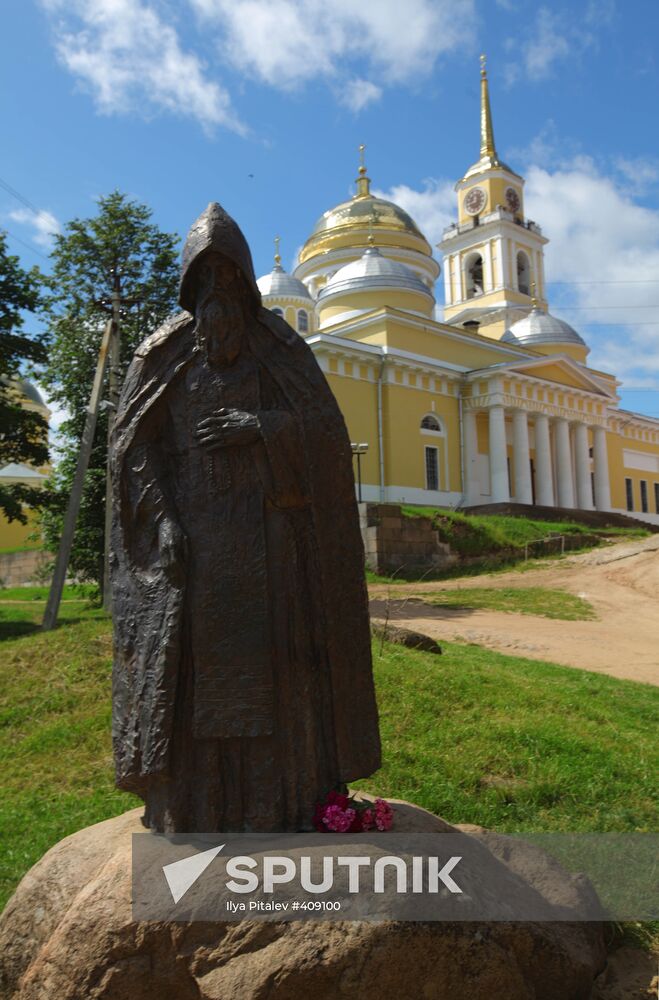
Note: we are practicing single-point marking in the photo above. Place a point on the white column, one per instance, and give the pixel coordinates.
(564, 465)
(499, 489)
(523, 491)
(582, 461)
(544, 486)
(448, 296)
(601, 459)
(488, 279)
(539, 283)
(498, 244)
(471, 484)
(457, 272)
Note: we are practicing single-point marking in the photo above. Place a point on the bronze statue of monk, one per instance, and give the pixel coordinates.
(242, 686)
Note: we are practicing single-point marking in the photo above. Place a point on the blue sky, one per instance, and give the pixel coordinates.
(261, 105)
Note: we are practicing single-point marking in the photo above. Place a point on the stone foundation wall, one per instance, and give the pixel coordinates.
(19, 568)
(397, 544)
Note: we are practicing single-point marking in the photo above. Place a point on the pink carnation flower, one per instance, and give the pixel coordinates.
(384, 815)
(338, 820)
(368, 819)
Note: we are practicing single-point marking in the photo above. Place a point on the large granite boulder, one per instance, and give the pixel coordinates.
(67, 933)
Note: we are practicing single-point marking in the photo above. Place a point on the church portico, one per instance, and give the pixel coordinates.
(535, 457)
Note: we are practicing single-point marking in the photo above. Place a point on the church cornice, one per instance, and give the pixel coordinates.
(555, 410)
(375, 318)
(516, 371)
(457, 236)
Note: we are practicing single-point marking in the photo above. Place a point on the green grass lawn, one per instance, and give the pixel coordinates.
(514, 744)
(475, 736)
(540, 601)
(486, 534)
(22, 608)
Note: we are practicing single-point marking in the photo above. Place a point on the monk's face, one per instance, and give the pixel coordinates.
(220, 318)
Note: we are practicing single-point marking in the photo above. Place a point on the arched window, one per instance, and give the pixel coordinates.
(302, 321)
(474, 275)
(277, 311)
(431, 423)
(435, 454)
(523, 274)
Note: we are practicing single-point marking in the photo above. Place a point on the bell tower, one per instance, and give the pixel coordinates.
(493, 255)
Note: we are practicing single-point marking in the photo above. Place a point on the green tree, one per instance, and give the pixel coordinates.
(23, 433)
(119, 249)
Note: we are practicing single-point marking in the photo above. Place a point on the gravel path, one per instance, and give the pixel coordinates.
(621, 582)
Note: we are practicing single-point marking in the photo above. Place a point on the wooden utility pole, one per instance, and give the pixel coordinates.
(114, 388)
(66, 541)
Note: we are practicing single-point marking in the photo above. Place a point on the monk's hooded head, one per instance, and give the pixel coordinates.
(218, 285)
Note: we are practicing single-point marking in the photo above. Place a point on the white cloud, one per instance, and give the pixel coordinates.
(603, 246)
(432, 208)
(600, 236)
(288, 42)
(546, 46)
(129, 55)
(358, 94)
(640, 173)
(44, 224)
(131, 60)
(553, 37)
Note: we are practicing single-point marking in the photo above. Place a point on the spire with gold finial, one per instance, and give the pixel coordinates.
(488, 150)
(277, 254)
(363, 181)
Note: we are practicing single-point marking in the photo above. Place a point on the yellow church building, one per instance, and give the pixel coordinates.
(13, 534)
(495, 404)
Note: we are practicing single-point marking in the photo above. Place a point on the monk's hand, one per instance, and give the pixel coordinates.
(172, 546)
(228, 428)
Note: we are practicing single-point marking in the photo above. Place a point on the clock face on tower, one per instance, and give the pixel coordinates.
(474, 201)
(512, 199)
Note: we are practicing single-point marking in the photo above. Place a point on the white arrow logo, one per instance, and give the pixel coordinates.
(181, 875)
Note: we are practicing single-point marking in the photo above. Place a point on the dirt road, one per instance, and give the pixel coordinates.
(621, 582)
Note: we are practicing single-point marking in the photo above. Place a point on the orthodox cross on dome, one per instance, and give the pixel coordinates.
(363, 181)
(277, 254)
(488, 150)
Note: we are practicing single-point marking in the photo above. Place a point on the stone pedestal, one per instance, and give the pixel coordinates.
(67, 933)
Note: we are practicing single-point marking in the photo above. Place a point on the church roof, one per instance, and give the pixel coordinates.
(31, 391)
(16, 470)
(373, 270)
(366, 211)
(280, 284)
(541, 328)
(25, 389)
(348, 223)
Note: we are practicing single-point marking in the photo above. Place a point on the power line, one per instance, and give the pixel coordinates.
(613, 281)
(25, 243)
(19, 197)
(557, 305)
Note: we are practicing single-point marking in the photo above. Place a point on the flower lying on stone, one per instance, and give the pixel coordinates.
(339, 813)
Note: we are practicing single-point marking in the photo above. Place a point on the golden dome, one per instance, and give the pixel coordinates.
(364, 211)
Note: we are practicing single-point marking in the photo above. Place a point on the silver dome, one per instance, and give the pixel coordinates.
(25, 389)
(372, 270)
(281, 285)
(541, 328)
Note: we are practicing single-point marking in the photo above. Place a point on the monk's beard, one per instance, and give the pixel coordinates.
(219, 331)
